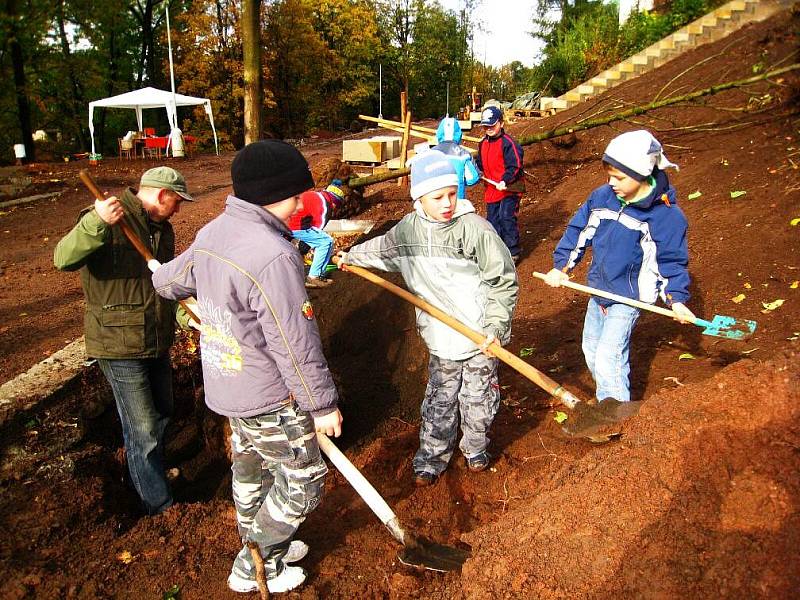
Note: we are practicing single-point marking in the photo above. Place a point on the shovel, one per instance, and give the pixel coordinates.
(583, 416)
(417, 551)
(719, 326)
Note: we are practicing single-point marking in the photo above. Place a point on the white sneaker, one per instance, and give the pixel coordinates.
(290, 578)
(297, 551)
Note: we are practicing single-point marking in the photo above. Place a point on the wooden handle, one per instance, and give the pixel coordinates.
(617, 298)
(513, 361)
(89, 182)
(364, 488)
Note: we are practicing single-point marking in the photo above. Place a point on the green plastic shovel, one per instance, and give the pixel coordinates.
(719, 326)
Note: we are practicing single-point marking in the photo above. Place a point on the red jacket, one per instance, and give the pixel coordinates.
(316, 212)
(499, 159)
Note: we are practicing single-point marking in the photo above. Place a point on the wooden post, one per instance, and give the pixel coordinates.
(403, 106)
(403, 181)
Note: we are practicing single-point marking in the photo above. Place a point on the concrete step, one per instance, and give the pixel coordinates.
(710, 27)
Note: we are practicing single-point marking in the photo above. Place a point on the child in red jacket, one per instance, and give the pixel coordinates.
(307, 224)
(499, 158)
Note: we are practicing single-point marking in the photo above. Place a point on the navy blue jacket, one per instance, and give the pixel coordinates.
(638, 250)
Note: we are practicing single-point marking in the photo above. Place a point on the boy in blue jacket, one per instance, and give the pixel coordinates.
(638, 239)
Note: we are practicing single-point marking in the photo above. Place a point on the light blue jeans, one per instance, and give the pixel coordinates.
(606, 346)
(143, 390)
(322, 244)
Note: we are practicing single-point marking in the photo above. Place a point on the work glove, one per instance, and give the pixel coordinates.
(484, 347)
(682, 313)
(555, 277)
(501, 185)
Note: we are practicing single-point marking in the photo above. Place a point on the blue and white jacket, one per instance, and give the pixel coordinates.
(639, 250)
(449, 135)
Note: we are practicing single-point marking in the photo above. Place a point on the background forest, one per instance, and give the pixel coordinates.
(319, 60)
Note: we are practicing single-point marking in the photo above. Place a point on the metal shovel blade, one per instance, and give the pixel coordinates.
(599, 423)
(423, 553)
(728, 327)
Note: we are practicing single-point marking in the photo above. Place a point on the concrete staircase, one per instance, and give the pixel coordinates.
(715, 25)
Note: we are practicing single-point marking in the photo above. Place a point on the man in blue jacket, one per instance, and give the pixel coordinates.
(638, 239)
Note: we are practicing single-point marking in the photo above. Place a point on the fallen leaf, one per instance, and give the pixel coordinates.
(694, 195)
(795, 285)
(738, 193)
(794, 222)
(748, 351)
(686, 356)
(770, 306)
(747, 286)
(560, 417)
(738, 299)
(125, 557)
(172, 593)
(523, 352)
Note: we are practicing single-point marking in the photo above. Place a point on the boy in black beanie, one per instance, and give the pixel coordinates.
(263, 365)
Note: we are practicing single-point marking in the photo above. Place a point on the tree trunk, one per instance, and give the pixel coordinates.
(18, 62)
(76, 89)
(251, 48)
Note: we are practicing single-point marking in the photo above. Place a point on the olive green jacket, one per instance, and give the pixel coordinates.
(124, 316)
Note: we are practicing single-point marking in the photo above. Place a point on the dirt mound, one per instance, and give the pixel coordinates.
(699, 500)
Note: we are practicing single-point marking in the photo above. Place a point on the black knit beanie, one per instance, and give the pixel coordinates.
(269, 171)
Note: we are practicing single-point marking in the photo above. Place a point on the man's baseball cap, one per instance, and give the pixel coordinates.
(490, 116)
(166, 178)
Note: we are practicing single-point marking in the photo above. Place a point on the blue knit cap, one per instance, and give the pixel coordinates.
(430, 171)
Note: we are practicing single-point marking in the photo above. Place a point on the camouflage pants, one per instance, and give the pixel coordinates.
(468, 388)
(278, 476)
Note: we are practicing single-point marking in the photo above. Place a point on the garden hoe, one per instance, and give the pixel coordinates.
(417, 551)
(719, 326)
(584, 420)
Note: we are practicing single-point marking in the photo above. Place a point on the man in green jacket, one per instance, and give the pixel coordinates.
(129, 328)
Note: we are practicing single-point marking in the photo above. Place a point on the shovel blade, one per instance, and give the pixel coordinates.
(422, 553)
(728, 327)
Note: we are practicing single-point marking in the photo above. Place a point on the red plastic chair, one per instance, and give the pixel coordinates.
(149, 131)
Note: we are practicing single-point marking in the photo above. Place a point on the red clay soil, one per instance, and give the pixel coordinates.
(699, 498)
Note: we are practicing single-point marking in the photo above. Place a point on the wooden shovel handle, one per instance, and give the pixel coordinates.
(617, 298)
(513, 361)
(89, 182)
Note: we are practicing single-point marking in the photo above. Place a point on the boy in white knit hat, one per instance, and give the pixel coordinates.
(453, 259)
(638, 239)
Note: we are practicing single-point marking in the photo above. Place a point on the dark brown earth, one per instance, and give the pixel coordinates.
(699, 498)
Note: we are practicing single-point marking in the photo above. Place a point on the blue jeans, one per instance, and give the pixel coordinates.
(503, 217)
(143, 390)
(606, 346)
(322, 244)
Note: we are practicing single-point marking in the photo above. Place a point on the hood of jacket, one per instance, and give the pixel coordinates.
(448, 131)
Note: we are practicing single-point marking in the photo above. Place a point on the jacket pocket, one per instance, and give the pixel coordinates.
(122, 329)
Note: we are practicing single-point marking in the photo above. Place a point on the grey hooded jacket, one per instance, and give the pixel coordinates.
(259, 341)
(462, 267)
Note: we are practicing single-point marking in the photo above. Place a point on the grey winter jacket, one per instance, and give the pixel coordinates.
(259, 341)
(462, 267)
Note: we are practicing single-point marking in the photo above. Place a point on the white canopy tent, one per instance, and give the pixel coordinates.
(152, 98)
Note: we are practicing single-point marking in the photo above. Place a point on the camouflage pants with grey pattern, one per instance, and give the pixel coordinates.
(468, 388)
(278, 477)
